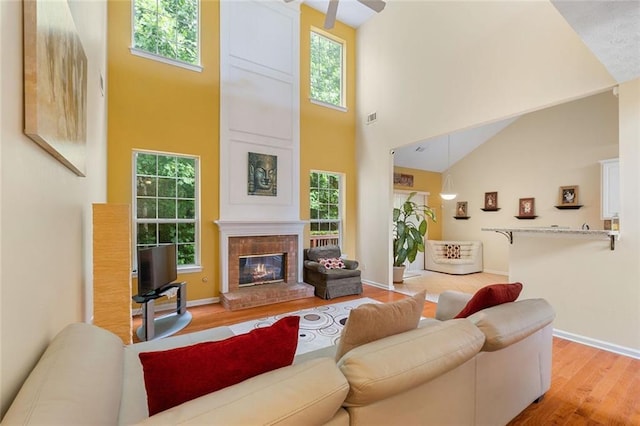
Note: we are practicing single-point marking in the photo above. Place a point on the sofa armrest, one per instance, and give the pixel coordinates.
(350, 264)
(314, 266)
(77, 381)
(387, 367)
(308, 393)
(450, 303)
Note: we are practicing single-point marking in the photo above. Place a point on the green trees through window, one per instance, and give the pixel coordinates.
(167, 28)
(326, 70)
(166, 203)
(325, 208)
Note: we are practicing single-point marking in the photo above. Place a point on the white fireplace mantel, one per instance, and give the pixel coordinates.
(232, 228)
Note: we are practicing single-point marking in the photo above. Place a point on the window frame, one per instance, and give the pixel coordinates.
(137, 51)
(343, 71)
(340, 205)
(195, 267)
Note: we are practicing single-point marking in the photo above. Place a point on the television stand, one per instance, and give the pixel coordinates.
(166, 325)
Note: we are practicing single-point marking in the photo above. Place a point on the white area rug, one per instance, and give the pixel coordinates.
(319, 327)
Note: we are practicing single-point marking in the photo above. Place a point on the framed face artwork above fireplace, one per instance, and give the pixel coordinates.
(263, 174)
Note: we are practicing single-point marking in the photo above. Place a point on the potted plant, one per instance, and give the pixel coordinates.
(409, 228)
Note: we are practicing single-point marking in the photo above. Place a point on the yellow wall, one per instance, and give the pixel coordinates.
(327, 136)
(161, 107)
(155, 106)
(430, 182)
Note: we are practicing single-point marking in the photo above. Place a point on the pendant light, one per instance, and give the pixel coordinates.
(447, 192)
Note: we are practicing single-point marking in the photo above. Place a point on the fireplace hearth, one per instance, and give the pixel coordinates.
(260, 269)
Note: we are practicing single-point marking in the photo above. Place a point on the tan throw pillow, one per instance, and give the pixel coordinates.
(373, 321)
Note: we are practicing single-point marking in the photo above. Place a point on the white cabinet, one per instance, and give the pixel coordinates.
(610, 188)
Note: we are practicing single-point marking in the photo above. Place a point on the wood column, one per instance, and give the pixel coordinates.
(112, 269)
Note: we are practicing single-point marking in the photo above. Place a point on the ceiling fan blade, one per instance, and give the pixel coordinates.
(332, 10)
(377, 5)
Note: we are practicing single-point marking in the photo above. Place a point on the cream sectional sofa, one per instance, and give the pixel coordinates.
(454, 257)
(480, 370)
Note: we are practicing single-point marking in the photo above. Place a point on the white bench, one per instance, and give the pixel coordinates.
(454, 257)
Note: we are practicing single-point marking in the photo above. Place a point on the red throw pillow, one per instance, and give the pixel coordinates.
(178, 375)
(491, 295)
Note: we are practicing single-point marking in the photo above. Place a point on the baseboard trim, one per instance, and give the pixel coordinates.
(379, 285)
(491, 271)
(171, 305)
(599, 344)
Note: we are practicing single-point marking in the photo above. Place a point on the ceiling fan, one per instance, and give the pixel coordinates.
(332, 10)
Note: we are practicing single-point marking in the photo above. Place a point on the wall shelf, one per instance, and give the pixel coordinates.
(525, 217)
(461, 217)
(568, 207)
(491, 210)
(558, 231)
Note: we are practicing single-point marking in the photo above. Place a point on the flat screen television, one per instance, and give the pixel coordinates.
(157, 267)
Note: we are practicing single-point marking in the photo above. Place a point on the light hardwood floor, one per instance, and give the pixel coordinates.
(588, 386)
(436, 282)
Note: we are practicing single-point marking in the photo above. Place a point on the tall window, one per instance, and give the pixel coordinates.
(167, 204)
(327, 69)
(325, 202)
(167, 28)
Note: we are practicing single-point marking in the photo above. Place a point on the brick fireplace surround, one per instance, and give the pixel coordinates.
(233, 297)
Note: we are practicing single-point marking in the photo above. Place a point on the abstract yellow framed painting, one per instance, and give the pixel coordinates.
(55, 82)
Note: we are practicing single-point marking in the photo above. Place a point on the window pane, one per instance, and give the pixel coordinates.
(146, 186)
(166, 208)
(186, 209)
(166, 166)
(334, 181)
(186, 167)
(323, 181)
(186, 232)
(168, 28)
(324, 196)
(324, 212)
(147, 233)
(146, 208)
(167, 233)
(166, 187)
(333, 212)
(146, 164)
(186, 254)
(186, 188)
(313, 180)
(334, 197)
(167, 193)
(326, 69)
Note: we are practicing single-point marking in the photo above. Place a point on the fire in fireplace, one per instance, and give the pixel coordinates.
(262, 269)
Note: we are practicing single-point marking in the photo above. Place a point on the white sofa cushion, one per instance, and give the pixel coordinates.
(301, 394)
(78, 381)
(395, 364)
(133, 407)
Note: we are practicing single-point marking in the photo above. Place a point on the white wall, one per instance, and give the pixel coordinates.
(594, 290)
(260, 106)
(431, 68)
(533, 157)
(45, 208)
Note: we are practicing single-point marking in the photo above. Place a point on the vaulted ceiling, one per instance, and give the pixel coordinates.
(610, 29)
